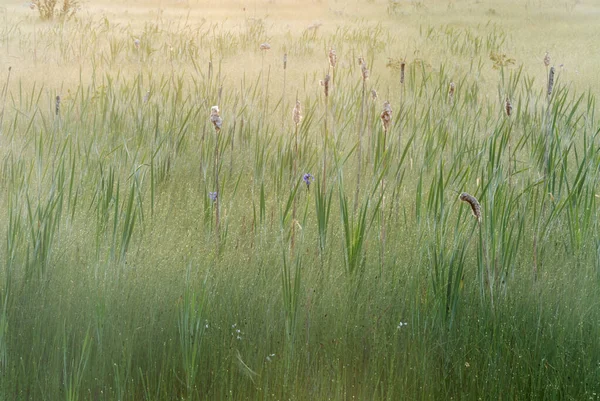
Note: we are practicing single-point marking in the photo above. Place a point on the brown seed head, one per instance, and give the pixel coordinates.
(547, 59)
(550, 81)
(386, 116)
(508, 107)
(332, 58)
(475, 206)
(215, 118)
(451, 91)
(325, 84)
(284, 61)
(57, 109)
(297, 113)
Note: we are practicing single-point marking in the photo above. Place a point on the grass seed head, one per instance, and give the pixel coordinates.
(215, 118)
(550, 81)
(57, 106)
(297, 113)
(325, 84)
(547, 59)
(265, 46)
(474, 203)
(284, 61)
(451, 91)
(386, 116)
(332, 58)
(508, 107)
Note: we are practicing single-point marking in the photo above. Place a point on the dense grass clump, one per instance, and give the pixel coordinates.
(185, 217)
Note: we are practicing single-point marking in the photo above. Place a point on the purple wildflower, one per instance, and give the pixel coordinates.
(308, 178)
(212, 196)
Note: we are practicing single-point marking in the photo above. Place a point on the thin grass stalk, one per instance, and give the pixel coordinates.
(295, 177)
(508, 109)
(264, 47)
(217, 123)
(370, 112)
(4, 93)
(296, 117)
(325, 83)
(283, 92)
(386, 118)
(217, 189)
(548, 121)
(332, 56)
(360, 136)
(324, 188)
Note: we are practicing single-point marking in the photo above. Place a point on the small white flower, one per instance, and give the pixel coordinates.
(239, 338)
(402, 324)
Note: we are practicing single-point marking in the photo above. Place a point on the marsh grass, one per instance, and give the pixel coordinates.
(114, 287)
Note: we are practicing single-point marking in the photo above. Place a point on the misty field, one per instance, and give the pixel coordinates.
(285, 200)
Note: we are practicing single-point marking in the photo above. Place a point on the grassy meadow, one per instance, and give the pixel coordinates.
(304, 240)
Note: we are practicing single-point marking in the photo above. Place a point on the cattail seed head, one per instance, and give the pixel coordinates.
(402, 66)
(57, 105)
(386, 116)
(285, 61)
(475, 206)
(332, 58)
(265, 46)
(215, 118)
(547, 59)
(508, 107)
(325, 84)
(297, 113)
(550, 81)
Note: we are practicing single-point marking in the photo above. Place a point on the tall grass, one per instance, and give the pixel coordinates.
(146, 257)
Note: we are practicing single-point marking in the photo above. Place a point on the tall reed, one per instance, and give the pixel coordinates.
(217, 122)
(550, 87)
(386, 120)
(296, 118)
(365, 76)
(325, 83)
(508, 111)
